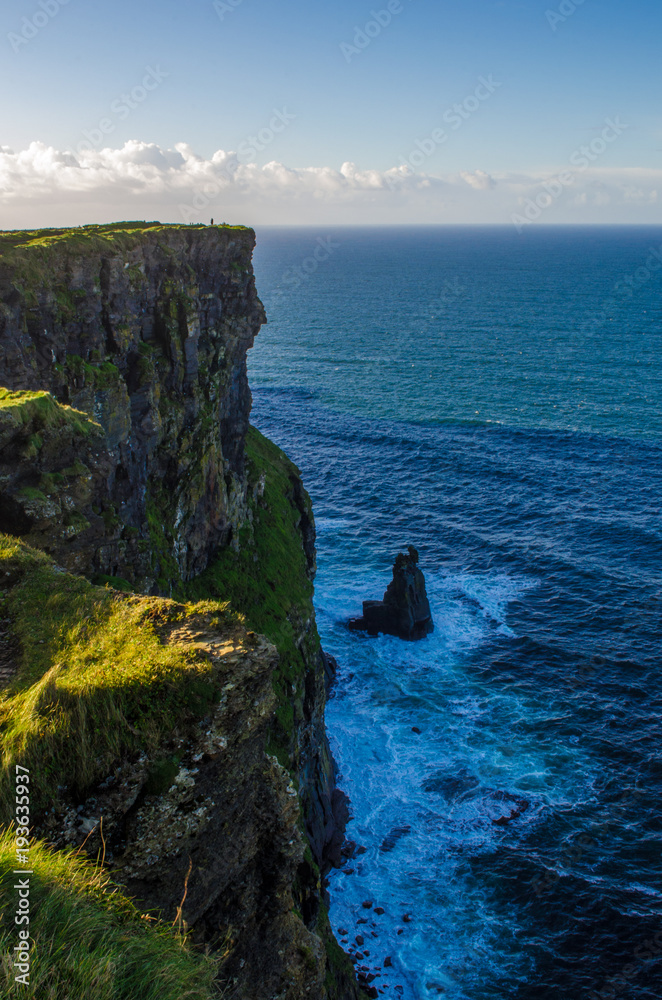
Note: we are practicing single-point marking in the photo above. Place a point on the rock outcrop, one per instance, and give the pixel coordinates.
(126, 456)
(405, 609)
(146, 331)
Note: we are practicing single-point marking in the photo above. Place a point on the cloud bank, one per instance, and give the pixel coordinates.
(43, 186)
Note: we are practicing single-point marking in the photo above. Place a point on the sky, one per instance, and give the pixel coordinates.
(284, 112)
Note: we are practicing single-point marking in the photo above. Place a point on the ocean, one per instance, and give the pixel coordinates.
(494, 399)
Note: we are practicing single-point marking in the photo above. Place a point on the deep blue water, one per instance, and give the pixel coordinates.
(449, 388)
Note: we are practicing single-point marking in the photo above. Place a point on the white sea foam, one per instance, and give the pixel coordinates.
(420, 802)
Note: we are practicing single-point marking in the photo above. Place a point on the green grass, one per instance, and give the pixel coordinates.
(89, 941)
(39, 411)
(94, 682)
(102, 374)
(11, 239)
(267, 579)
(35, 257)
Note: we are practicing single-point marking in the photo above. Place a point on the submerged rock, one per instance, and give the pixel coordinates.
(405, 609)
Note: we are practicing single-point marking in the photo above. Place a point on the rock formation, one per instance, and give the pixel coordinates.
(405, 609)
(126, 457)
(146, 331)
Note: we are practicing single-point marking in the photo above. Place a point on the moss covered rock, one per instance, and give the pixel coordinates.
(144, 328)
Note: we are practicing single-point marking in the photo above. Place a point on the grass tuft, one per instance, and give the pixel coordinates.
(89, 940)
(268, 579)
(95, 683)
(38, 411)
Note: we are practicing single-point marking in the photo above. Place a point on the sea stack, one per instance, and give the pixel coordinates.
(405, 609)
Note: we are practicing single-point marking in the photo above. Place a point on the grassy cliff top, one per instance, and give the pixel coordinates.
(91, 677)
(114, 234)
(94, 678)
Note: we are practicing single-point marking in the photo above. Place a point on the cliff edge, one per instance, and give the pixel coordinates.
(161, 671)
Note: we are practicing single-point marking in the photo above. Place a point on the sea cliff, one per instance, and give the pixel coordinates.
(162, 674)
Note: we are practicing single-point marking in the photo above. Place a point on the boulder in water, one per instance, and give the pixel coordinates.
(405, 609)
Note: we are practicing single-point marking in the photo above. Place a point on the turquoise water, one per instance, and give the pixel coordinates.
(495, 400)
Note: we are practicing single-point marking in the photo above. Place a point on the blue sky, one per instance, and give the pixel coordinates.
(223, 71)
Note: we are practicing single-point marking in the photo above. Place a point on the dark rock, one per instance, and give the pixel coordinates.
(155, 356)
(451, 786)
(141, 484)
(515, 813)
(405, 609)
(396, 834)
(330, 671)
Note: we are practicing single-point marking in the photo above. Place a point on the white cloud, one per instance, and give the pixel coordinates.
(42, 186)
(479, 180)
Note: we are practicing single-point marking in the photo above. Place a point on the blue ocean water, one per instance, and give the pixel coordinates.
(496, 400)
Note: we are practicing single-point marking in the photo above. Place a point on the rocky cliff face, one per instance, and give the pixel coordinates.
(124, 456)
(146, 331)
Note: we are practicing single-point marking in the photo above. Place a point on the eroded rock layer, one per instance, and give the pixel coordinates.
(146, 331)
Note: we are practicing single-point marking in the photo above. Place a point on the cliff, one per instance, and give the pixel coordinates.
(163, 678)
(144, 329)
